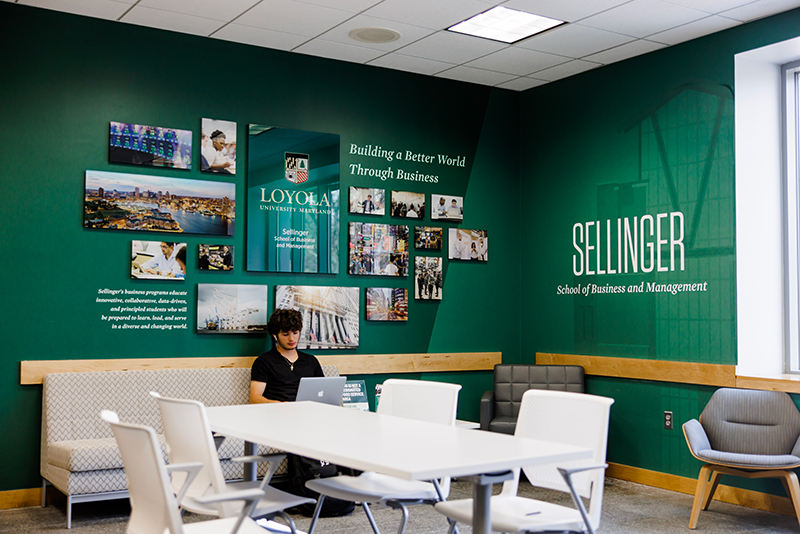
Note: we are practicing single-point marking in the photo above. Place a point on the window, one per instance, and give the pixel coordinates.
(790, 84)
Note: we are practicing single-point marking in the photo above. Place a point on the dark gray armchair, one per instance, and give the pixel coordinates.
(500, 407)
(747, 433)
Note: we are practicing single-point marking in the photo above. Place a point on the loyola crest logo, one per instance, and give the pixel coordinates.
(296, 166)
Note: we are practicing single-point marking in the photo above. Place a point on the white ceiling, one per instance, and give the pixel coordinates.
(599, 31)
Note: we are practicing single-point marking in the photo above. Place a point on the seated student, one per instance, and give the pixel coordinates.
(276, 374)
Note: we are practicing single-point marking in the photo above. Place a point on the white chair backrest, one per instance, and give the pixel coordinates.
(435, 402)
(422, 400)
(153, 504)
(573, 418)
(189, 439)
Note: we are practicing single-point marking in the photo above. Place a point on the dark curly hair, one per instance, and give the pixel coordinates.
(284, 320)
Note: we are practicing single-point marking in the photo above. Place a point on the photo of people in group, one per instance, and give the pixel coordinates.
(469, 245)
(427, 278)
(408, 204)
(378, 249)
(218, 146)
(215, 258)
(367, 200)
(387, 304)
(427, 238)
(158, 260)
(447, 208)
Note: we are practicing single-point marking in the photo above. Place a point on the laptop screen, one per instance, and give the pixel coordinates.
(325, 389)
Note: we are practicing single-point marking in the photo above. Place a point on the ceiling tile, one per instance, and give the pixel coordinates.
(408, 33)
(432, 14)
(575, 40)
(343, 52)
(167, 20)
(353, 6)
(293, 17)
(760, 9)
(472, 75)
(641, 18)
(620, 53)
(521, 84)
(565, 70)
(710, 6)
(693, 30)
(518, 61)
(209, 9)
(452, 47)
(101, 9)
(410, 64)
(560, 9)
(259, 37)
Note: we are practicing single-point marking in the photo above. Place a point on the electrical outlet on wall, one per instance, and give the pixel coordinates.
(668, 420)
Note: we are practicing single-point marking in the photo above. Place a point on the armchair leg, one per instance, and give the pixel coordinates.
(699, 494)
(711, 488)
(789, 480)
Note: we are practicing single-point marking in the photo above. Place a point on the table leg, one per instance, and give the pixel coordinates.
(482, 499)
(250, 468)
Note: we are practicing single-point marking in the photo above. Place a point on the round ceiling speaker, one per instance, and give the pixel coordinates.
(374, 35)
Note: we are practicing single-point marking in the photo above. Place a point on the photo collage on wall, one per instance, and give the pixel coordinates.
(295, 229)
(375, 250)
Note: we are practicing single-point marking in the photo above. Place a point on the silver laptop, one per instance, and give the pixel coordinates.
(325, 389)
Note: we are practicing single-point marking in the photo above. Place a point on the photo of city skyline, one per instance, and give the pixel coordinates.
(122, 201)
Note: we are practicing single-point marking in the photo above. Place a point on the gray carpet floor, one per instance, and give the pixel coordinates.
(627, 508)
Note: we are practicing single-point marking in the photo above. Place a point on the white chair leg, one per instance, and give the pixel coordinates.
(367, 511)
(69, 512)
(317, 510)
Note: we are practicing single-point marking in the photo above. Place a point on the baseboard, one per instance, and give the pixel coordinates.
(726, 494)
(20, 498)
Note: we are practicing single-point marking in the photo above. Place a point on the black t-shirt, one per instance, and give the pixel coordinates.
(275, 371)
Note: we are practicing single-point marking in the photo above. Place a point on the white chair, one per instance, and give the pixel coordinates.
(434, 402)
(154, 507)
(189, 440)
(557, 416)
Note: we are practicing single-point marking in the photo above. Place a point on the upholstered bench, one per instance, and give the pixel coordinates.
(79, 455)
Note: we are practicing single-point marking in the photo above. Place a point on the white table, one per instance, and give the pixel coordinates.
(404, 448)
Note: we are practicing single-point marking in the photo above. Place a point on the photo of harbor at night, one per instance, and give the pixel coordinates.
(122, 201)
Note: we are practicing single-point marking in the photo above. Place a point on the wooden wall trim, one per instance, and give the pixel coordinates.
(708, 374)
(20, 498)
(32, 371)
(727, 494)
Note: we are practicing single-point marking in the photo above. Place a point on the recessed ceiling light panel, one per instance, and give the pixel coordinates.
(374, 35)
(505, 25)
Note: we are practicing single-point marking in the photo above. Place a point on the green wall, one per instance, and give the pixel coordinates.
(649, 135)
(67, 77)
(653, 134)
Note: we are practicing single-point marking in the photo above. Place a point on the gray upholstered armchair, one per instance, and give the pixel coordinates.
(500, 407)
(747, 433)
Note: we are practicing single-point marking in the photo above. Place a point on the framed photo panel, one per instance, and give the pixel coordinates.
(387, 304)
(428, 278)
(330, 315)
(231, 309)
(293, 204)
(447, 208)
(155, 146)
(367, 201)
(408, 204)
(378, 249)
(218, 146)
(427, 238)
(215, 258)
(468, 245)
(121, 201)
(158, 260)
